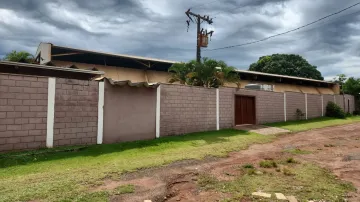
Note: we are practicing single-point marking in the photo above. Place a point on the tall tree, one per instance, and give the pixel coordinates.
(21, 56)
(286, 64)
(207, 73)
(352, 87)
(340, 79)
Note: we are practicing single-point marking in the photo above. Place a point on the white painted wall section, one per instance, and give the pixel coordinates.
(306, 106)
(322, 105)
(50, 113)
(158, 97)
(217, 110)
(285, 118)
(100, 132)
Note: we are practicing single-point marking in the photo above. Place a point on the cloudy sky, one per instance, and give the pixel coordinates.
(157, 28)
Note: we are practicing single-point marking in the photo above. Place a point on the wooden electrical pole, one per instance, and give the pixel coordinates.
(199, 33)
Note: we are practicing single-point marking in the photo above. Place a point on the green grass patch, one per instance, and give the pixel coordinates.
(268, 164)
(297, 151)
(66, 173)
(303, 125)
(291, 160)
(125, 189)
(305, 181)
(247, 166)
(206, 181)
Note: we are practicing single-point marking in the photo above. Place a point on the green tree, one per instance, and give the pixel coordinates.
(352, 87)
(340, 79)
(207, 73)
(21, 56)
(286, 64)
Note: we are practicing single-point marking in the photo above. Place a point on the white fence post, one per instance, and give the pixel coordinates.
(100, 132)
(158, 97)
(217, 110)
(285, 107)
(50, 113)
(306, 107)
(322, 105)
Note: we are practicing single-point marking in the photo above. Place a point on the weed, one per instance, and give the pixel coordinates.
(268, 164)
(287, 171)
(297, 151)
(247, 166)
(291, 160)
(207, 181)
(125, 189)
(278, 170)
(251, 171)
(329, 145)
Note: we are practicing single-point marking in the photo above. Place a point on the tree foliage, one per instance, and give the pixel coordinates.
(207, 73)
(21, 56)
(340, 79)
(286, 64)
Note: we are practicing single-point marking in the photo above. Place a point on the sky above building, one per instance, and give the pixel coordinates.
(157, 28)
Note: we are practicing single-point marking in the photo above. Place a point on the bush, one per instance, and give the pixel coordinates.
(356, 113)
(333, 110)
(268, 164)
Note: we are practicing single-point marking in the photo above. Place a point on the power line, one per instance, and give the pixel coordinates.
(264, 39)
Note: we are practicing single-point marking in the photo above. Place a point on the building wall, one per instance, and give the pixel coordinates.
(340, 101)
(44, 50)
(129, 113)
(349, 104)
(186, 109)
(294, 101)
(226, 108)
(22, 112)
(76, 112)
(121, 73)
(327, 99)
(314, 105)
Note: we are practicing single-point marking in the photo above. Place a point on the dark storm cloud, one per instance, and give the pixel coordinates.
(158, 29)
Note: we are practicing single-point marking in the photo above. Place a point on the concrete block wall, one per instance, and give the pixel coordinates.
(349, 104)
(186, 109)
(226, 108)
(269, 105)
(314, 106)
(22, 112)
(76, 112)
(327, 99)
(340, 101)
(294, 101)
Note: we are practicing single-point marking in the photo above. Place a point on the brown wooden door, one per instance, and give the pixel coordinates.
(244, 110)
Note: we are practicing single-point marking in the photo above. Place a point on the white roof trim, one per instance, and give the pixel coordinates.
(52, 68)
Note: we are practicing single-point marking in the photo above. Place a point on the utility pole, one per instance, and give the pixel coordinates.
(202, 36)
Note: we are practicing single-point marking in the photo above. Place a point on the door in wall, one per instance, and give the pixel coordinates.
(244, 110)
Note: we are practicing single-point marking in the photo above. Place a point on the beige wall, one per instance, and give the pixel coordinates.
(129, 113)
(137, 75)
(121, 73)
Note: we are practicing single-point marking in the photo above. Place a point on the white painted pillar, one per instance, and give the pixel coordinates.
(217, 110)
(334, 99)
(322, 105)
(285, 107)
(50, 113)
(158, 97)
(306, 107)
(100, 131)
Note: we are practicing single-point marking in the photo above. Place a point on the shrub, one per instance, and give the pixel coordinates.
(299, 114)
(268, 164)
(248, 166)
(356, 113)
(333, 110)
(291, 160)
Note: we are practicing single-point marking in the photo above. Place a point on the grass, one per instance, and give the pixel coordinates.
(268, 164)
(125, 189)
(247, 166)
(297, 151)
(305, 181)
(67, 174)
(303, 125)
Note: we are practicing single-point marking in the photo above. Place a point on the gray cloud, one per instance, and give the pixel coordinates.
(158, 29)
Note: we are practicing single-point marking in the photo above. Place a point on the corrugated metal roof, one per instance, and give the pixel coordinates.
(132, 84)
(282, 76)
(118, 55)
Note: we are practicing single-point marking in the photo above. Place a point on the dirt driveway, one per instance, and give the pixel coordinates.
(334, 148)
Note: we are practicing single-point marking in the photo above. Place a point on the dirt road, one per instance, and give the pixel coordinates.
(334, 148)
